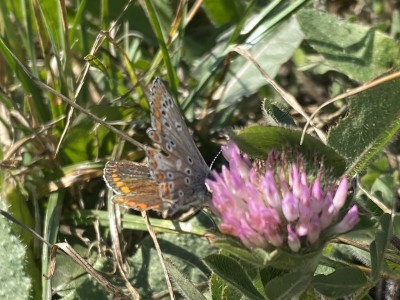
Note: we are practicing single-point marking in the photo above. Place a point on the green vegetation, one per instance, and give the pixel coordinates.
(214, 56)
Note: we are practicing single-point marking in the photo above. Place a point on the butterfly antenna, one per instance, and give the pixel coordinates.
(215, 158)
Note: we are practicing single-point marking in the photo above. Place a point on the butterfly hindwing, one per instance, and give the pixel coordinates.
(133, 185)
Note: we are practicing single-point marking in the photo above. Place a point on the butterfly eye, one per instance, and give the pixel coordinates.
(189, 160)
(181, 193)
(170, 175)
(187, 180)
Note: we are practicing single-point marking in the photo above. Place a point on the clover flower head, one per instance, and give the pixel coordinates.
(275, 203)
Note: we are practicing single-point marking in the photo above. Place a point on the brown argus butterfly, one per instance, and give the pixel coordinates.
(173, 181)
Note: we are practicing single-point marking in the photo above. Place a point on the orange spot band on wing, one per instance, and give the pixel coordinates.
(164, 189)
(160, 176)
(125, 190)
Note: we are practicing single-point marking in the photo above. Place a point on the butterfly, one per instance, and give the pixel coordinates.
(173, 181)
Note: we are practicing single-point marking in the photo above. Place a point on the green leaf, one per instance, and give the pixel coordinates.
(96, 63)
(337, 256)
(224, 11)
(237, 249)
(14, 202)
(372, 121)
(156, 24)
(196, 226)
(185, 251)
(396, 224)
(274, 115)
(52, 18)
(217, 286)
(378, 247)
(358, 51)
(52, 31)
(282, 260)
(385, 186)
(257, 141)
(279, 259)
(15, 283)
(51, 226)
(288, 286)
(221, 291)
(340, 283)
(185, 286)
(270, 50)
(231, 271)
(71, 281)
(29, 86)
(379, 167)
(78, 147)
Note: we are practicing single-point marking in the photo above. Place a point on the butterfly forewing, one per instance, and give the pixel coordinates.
(179, 168)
